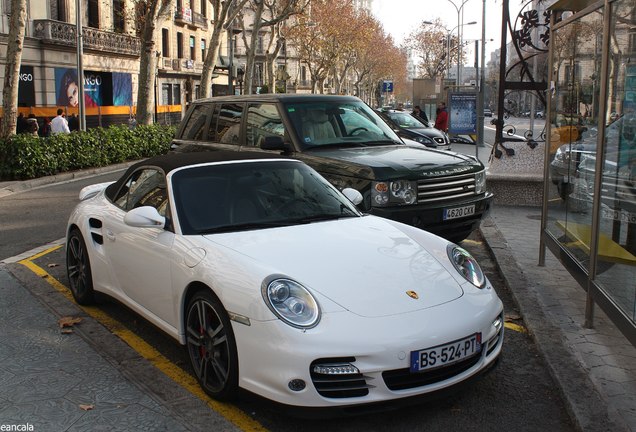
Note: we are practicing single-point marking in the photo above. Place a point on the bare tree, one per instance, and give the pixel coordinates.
(15, 45)
(149, 14)
(225, 12)
(266, 13)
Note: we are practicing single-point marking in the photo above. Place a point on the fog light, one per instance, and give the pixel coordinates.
(296, 385)
(336, 369)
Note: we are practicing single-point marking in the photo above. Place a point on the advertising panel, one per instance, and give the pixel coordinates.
(100, 88)
(462, 112)
(26, 87)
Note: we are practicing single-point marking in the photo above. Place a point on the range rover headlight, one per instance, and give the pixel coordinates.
(396, 192)
(466, 265)
(291, 302)
(480, 182)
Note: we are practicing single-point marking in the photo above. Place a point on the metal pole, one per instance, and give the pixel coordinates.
(480, 106)
(459, 46)
(230, 50)
(80, 65)
(482, 95)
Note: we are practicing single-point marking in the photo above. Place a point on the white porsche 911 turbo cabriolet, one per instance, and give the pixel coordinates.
(277, 284)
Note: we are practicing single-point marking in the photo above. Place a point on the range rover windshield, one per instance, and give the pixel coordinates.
(339, 124)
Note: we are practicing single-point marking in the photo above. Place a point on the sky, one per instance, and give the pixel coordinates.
(400, 17)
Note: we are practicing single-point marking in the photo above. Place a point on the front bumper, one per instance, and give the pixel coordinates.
(431, 218)
(272, 354)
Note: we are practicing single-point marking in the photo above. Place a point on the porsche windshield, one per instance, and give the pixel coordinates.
(338, 123)
(254, 195)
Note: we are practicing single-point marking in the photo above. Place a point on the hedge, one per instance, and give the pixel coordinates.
(25, 156)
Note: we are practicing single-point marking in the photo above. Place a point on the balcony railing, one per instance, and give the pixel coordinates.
(200, 20)
(62, 33)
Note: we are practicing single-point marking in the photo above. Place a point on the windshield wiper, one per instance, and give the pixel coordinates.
(383, 142)
(321, 217)
(341, 144)
(243, 227)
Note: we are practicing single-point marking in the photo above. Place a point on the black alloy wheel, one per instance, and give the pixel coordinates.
(78, 269)
(211, 346)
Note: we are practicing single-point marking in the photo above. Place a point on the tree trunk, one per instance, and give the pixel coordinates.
(251, 49)
(210, 63)
(148, 63)
(15, 45)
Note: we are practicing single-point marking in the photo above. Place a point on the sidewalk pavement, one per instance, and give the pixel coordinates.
(594, 368)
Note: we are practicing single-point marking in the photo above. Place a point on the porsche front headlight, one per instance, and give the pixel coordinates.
(466, 265)
(291, 302)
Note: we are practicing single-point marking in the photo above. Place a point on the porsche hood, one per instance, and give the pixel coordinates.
(366, 265)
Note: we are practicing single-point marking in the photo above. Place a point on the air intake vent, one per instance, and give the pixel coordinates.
(402, 379)
(338, 378)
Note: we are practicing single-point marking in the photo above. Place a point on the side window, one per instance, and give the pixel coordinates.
(228, 125)
(146, 187)
(195, 128)
(263, 120)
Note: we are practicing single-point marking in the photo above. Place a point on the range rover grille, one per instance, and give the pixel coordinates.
(445, 188)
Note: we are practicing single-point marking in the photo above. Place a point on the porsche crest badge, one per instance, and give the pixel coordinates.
(412, 294)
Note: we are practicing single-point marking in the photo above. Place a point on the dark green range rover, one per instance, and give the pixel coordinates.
(345, 141)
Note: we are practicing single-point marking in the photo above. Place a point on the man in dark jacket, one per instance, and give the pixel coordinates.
(419, 114)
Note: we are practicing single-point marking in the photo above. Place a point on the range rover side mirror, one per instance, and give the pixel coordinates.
(275, 143)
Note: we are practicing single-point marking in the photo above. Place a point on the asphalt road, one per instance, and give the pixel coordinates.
(517, 395)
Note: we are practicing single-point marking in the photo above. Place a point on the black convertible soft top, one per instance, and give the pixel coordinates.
(171, 161)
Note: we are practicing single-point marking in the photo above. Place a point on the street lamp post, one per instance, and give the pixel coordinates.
(459, 46)
(459, 36)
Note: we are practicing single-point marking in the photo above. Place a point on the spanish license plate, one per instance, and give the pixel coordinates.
(459, 212)
(447, 354)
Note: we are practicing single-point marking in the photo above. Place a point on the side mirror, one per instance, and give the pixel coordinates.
(144, 217)
(352, 195)
(274, 143)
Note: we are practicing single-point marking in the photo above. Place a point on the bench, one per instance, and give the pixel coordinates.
(608, 249)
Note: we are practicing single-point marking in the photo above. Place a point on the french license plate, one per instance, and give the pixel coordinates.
(459, 212)
(447, 354)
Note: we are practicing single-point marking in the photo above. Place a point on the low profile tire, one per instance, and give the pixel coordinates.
(211, 346)
(78, 269)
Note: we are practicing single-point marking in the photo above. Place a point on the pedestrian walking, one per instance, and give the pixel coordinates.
(419, 114)
(73, 123)
(45, 129)
(59, 123)
(32, 126)
(441, 117)
(21, 125)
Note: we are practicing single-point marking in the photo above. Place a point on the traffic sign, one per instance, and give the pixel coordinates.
(387, 87)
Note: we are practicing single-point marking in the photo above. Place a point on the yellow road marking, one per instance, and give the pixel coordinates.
(515, 327)
(471, 242)
(177, 374)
